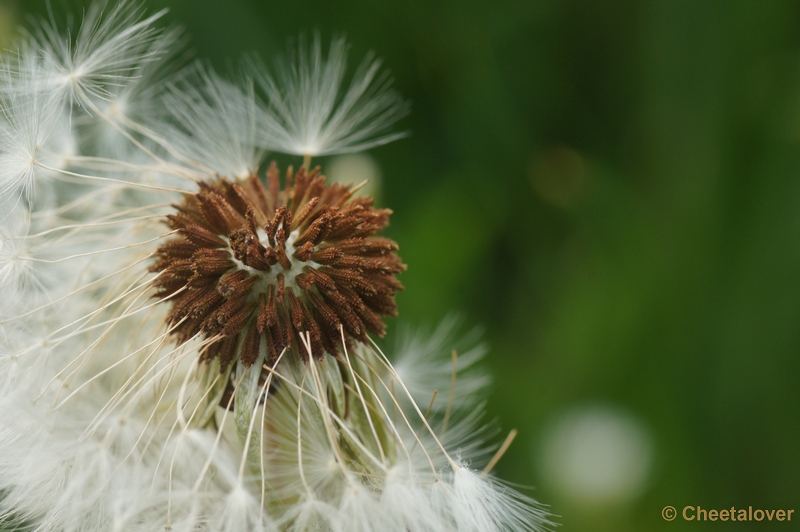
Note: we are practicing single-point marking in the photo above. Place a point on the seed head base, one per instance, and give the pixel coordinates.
(255, 263)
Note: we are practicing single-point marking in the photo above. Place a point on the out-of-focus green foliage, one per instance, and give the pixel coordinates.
(613, 190)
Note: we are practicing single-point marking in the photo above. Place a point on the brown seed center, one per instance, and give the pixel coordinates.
(255, 267)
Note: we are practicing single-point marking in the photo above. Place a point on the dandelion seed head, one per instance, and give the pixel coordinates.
(192, 341)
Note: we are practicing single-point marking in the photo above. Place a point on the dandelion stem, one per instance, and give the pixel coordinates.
(361, 396)
(428, 413)
(452, 392)
(107, 179)
(500, 452)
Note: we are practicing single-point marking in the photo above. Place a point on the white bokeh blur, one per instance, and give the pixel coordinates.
(355, 169)
(597, 455)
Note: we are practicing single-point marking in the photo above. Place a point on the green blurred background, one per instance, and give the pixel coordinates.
(612, 189)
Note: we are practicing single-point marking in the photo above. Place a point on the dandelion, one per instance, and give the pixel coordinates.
(188, 342)
(308, 114)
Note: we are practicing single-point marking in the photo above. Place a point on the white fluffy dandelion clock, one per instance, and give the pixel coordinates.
(186, 343)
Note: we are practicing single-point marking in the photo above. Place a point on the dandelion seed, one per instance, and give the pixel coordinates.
(308, 113)
(111, 45)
